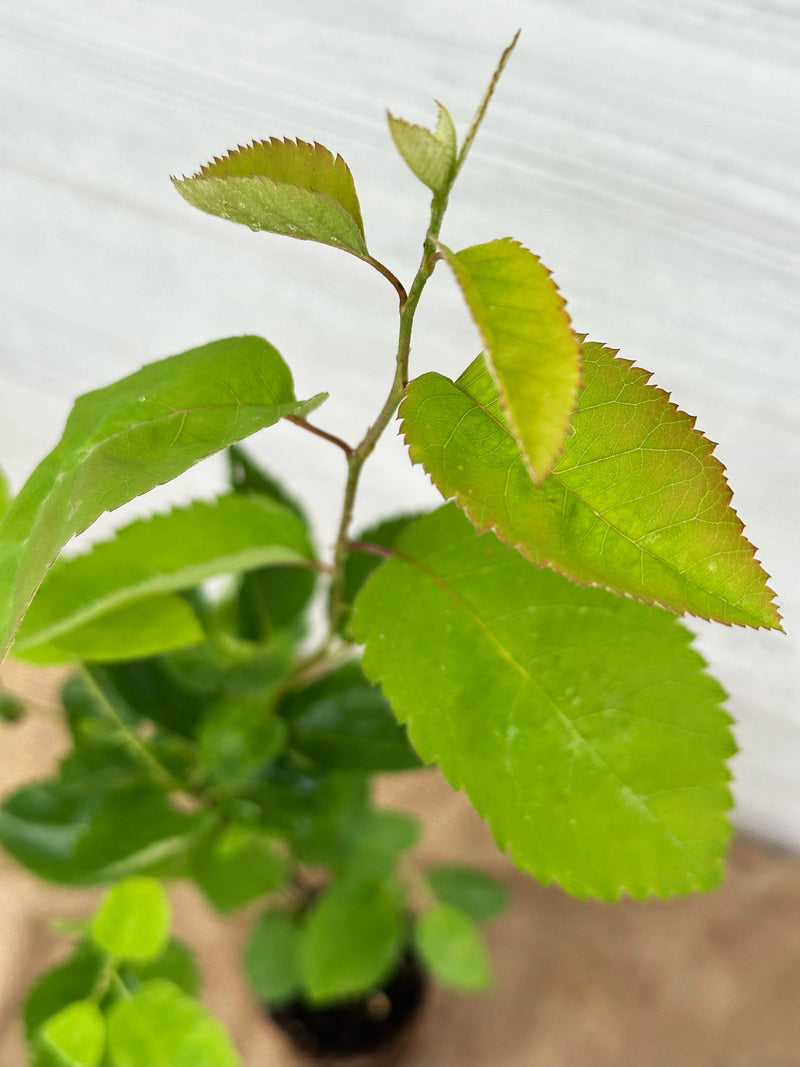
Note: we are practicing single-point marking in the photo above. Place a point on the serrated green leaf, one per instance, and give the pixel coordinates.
(272, 956)
(141, 628)
(352, 939)
(133, 919)
(74, 1037)
(73, 979)
(474, 892)
(161, 1027)
(531, 350)
(342, 721)
(581, 724)
(237, 865)
(636, 502)
(431, 154)
(450, 945)
(287, 187)
(123, 440)
(158, 555)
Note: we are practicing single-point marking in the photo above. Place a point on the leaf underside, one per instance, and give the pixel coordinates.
(161, 554)
(636, 502)
(287, 187)
(430, 154)
(123, 440)
(592, 710)
(531, 350)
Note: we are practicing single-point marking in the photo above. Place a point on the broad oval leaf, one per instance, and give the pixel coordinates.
(133, 919)
(272, 956)
(288, 187)
(531, 349)
(238, 864)
(450, 944)
(431, 154)
(472, 891)
(636, 502)
(158, 555)
(73, 1037)
(353, 938)
(125, 439)
(160, 1026)
(581, 724)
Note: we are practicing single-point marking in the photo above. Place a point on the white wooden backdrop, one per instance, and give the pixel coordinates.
(647, 151)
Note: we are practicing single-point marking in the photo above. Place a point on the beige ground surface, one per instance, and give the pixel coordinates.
(711, 980)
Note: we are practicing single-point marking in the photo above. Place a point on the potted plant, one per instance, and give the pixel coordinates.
(525, 637)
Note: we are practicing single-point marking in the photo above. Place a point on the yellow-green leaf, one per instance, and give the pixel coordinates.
(636, 502)
(531, 350)
(431, 154)
(288, 187)
(133, 920)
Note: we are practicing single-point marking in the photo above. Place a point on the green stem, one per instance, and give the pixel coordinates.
(161, 774)
(364, 449)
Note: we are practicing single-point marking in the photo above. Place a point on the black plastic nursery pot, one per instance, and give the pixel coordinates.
(357, 1027)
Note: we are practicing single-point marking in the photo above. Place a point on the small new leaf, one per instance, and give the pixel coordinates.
(636, 502)
(287, 187)
(125, 439)
(74, 1037)
(431, 154)
(531, 350)
(133, 920)
(581, 724)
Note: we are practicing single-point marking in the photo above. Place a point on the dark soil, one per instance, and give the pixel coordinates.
(355, 1027)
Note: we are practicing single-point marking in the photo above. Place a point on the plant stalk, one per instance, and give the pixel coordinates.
(365, 447)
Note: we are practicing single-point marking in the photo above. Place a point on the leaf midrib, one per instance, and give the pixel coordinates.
(168, 582)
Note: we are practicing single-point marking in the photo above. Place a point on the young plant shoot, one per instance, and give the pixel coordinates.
(525, 637)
